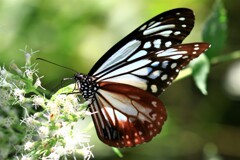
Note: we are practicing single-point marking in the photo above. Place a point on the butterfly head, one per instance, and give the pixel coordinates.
(86, 85)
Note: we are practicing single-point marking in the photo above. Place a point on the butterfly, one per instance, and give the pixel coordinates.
(124, 84)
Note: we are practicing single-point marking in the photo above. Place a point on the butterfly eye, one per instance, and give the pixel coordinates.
(124, 84)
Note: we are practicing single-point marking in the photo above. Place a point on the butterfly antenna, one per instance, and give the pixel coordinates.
(57, 64)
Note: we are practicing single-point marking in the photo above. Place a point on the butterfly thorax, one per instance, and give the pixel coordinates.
(86, 85)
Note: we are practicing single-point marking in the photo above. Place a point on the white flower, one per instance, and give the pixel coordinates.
(68, 107)
(53, 108)
(29, 73)
(38, 101)
(52, 156)
(19, 95)
(30, 121)
(30, 70)
(18, 92)
(56, 153)
(73, 99)
(43, 132)
(74, 141)
(38, 82)
(60, 99)
(26, 157)
(87, 152)
(28, 55)
(63, 130)
(28, 146)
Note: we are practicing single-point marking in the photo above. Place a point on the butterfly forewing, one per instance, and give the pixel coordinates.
(126, 116)
(162, 31)
(156, 70)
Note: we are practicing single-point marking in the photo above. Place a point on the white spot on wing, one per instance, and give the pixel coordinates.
(184, 25)
(164, 64)
(164, 77)
(147, 45)
(157, 43)
(173, 65)
(154, 103)
(143, 27)
(154, 88)
(151, 23)
(177, 33)
(157, 29)
(155, 74)
(168, 43)
(176, 57)
(143, 71)
(138, 54)
(166, 33)
(154, 116)
(196, 48)
(182, 18)
(154, 25)
(155, 64)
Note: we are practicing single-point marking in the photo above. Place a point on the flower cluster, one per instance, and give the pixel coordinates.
(49, 127)
(57, 129)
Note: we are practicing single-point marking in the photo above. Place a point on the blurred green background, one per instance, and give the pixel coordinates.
(76, 33)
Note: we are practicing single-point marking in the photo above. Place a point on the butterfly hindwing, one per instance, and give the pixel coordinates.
(126, 116)
(164, 30)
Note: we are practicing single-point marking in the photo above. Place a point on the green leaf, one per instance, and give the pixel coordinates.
(200, 70)
(215, 29)
(117, 151)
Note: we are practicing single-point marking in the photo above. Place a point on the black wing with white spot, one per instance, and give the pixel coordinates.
(163, 31)
(155, 71)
